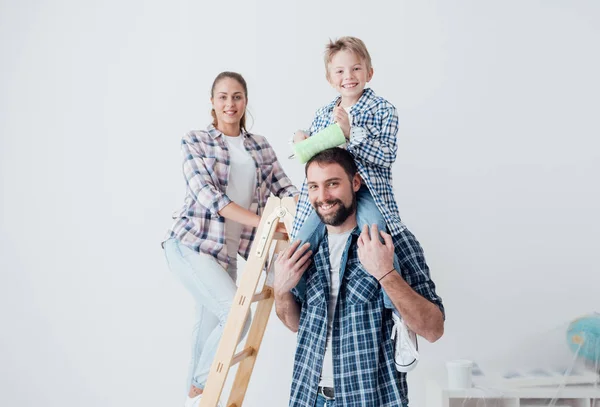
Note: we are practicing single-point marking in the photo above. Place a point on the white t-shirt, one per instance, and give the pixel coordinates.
(337, 244)
(347, 109)
(240, 189)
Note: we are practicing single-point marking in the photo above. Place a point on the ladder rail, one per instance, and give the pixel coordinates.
(276, 209)
(255, 337)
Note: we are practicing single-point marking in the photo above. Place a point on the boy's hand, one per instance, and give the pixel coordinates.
(341, 117)
(300, 136)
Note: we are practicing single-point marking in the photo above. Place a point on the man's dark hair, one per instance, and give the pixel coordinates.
(335, 155)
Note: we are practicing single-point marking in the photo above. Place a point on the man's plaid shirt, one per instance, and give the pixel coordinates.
(198, 224)
(363, 350)
(373, 146)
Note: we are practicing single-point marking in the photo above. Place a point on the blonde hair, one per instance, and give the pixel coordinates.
(352, 44)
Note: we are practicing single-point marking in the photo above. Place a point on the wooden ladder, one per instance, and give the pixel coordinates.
(276, 210)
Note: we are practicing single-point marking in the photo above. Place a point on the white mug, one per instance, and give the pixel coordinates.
(460, 374)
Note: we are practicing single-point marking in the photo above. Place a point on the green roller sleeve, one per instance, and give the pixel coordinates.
(330, 136)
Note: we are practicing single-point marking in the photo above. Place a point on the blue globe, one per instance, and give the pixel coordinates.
(583, 337)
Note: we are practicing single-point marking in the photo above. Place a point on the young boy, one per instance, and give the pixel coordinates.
(370, 125)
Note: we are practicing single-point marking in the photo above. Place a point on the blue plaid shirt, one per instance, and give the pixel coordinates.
(375, 122)
(363, 351)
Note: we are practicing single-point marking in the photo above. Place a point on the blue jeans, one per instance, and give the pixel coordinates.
(367, 213)
(213, 290)
(323, 402)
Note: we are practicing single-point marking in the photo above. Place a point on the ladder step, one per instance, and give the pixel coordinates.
(263, 295)
(280, 236)
(249, 351)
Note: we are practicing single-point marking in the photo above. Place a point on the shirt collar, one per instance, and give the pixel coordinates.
(356, 231)
(365, 100)
(214, 132)
(323, 230)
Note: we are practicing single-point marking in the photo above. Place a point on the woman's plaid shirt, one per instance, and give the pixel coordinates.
(206, 165)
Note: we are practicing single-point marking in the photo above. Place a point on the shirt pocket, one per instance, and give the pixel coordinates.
(361, 287)
(315, 295)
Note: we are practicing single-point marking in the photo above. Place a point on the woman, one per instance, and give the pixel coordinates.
(230, 173)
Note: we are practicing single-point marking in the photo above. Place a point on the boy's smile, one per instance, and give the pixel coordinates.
(348, 74)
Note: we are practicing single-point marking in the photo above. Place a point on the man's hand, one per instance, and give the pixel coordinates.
(341, 117)
(300, 136)
(376, 258)
(290, 266)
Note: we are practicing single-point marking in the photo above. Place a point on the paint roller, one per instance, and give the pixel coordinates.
(331, 136)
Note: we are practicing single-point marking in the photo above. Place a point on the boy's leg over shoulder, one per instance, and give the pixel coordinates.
(367, 212)
(311, 231)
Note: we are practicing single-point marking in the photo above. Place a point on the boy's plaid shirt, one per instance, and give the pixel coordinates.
(373, 146)
(206, 165)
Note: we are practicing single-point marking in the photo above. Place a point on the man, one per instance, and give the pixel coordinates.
(345, 353)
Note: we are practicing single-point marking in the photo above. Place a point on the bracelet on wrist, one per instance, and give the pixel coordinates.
(382, 277)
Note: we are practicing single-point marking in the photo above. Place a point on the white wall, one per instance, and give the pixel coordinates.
(498, 158)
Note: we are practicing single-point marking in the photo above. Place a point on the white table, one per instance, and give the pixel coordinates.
(485, 395)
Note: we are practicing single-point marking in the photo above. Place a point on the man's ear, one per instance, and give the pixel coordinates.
(370, 75)
(356, 182)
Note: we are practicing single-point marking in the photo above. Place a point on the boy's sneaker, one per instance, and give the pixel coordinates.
(195, 401)
(406, 349)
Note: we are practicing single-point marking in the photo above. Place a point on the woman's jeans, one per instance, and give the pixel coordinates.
(213, 290)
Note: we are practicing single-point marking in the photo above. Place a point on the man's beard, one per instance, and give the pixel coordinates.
(340, 215)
